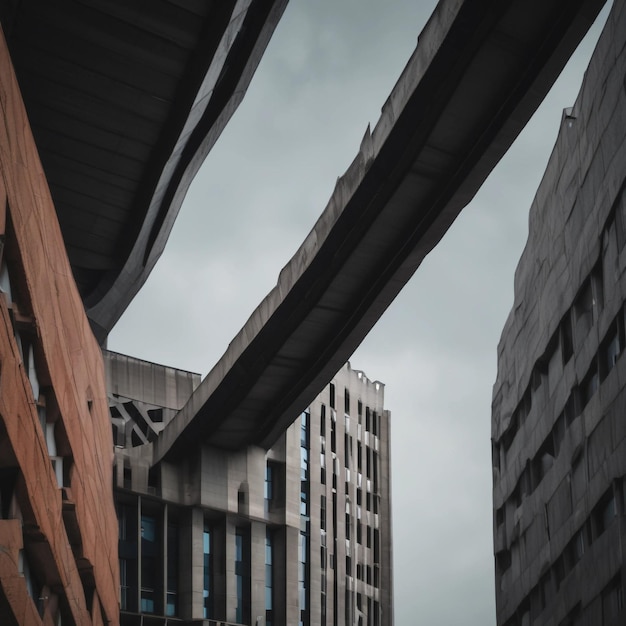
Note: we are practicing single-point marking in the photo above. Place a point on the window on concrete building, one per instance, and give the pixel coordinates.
(573, 618)
(604, 513)
(584, 311)
(242, 575)
(612, 601)
(376, 546)
(127, 548)
(590, 384)
(567, 337)
(151, 561)
(303, 579)
(269, 577)
(331, 394)
(572, 407)
(576, 547)
(207, 571)
(578, 478)
(269, 486)
(611, 348)
(346, 402)
(171, 605)
(558, 433)
(542, 462)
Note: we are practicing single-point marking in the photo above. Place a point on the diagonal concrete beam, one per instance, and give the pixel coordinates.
(480, 70)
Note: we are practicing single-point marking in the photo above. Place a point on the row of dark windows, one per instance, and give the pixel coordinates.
(372, 474)
(581, 317)
(605, 610)
(611, 348)
(150, 565)
(372, 418)
(602, 516)
(575, 326)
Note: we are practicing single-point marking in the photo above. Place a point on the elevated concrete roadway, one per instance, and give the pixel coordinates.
(479, 71)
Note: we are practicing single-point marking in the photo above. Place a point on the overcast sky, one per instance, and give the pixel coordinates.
(326, 73)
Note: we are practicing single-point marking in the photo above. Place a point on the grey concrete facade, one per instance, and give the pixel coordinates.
(196, 534)
(558, 429)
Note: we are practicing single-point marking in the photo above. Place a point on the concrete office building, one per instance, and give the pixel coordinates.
(297, 534)
(559, 433)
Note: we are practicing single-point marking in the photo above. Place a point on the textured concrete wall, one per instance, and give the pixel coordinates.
(559, 441)
(52, 404)
(225, 491)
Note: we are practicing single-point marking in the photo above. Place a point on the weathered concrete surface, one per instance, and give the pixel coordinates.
(478, 73)
(558, 429)
(143, 397)
(347, 471)
(160, 385)
(69, 534)
(141, 93)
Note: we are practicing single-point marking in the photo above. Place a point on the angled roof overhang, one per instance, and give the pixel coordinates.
(125, 99)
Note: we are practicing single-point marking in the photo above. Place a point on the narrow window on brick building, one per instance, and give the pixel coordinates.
(5, 282)
(8, 478)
